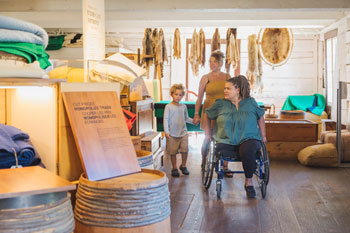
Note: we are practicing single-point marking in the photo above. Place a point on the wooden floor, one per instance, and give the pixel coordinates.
(299, 199)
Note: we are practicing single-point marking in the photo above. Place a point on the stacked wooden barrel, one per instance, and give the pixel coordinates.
(133, 203)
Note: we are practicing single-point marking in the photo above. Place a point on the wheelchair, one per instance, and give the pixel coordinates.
(214, 162)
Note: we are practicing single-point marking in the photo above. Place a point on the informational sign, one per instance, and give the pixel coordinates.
(101, 134)
(94, 32)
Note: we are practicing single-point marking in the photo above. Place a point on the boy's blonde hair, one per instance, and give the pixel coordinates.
(177, 87)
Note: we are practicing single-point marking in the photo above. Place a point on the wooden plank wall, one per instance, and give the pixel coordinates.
(299, 76)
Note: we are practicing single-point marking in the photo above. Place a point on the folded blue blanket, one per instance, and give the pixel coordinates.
(12, 139)
(20, 25)
(19, 36)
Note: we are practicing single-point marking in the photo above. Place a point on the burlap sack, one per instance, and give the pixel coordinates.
(330, 137)
(323, 155)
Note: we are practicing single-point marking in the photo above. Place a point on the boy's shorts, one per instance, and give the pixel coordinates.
(176, 145)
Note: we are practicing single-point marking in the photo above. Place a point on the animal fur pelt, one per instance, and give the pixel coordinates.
(162, 52)
(194, 55)
(177, 44)
(254, 73)
(201, 47)
(215, 43)
(147, 50)
(276, 45)
(157, 50)
(232, 50)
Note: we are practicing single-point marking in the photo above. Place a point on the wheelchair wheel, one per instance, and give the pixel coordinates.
(218, 188)
(263, 170)
(207, 173)
(266, 162)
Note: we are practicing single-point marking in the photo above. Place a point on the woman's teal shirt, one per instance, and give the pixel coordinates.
(235, 126)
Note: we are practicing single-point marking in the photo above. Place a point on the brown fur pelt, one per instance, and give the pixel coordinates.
(275, 44)
(157, 50)
(194, 54)
(232, 50)
(147, 49)
(215, 43)
(164, 50)
(253, 74)
(201, 47)
(177, 44)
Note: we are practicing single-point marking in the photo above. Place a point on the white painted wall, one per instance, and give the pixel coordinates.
(343, 65)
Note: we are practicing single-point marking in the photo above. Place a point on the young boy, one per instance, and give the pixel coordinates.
(175, 118)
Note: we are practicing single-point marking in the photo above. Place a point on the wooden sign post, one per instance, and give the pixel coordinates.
(101, 134)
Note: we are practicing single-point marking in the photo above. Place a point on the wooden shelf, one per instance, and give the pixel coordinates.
(29, 81)
(29, 181)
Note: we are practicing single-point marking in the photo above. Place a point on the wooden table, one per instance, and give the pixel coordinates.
(31, 181)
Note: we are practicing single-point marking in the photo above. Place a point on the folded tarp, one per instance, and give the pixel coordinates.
(11, 140)
(32, 52)
(20, 25)
(314, 103)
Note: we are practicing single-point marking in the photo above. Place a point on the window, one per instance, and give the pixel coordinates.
(331, 58)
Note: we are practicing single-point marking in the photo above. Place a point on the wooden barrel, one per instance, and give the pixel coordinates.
(292, 114)
(133, 203)
(37, 213)
(144, 158)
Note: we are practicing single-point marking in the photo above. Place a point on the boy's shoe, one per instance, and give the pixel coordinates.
(175, 173)
(184, 170)
(250, 191)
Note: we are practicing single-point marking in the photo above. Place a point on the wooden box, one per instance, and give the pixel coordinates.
(291, 131)
(151, 141)
(136, 140)
(144, 116)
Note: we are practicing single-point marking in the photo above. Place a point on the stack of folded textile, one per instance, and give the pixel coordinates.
(116, 68)
(15, 142)
(22, 47)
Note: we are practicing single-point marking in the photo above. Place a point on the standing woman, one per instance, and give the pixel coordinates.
(212, 84)
(239, 125)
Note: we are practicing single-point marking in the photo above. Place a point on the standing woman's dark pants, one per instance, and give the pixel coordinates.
(248, 154)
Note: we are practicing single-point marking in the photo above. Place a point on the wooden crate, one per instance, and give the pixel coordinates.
(136, 140)
(151, 141)
(291, 131)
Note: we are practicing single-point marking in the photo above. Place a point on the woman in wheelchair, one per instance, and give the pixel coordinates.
(240, 126)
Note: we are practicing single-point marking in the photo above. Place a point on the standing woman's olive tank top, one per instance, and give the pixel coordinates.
(213, 90)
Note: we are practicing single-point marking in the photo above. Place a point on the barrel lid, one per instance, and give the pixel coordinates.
(147, 178)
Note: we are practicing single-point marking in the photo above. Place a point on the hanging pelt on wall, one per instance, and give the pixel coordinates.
(232, 50)
(163, 51)
(147, 50)
(201, 47)
(254, 73)
(177, 44)
(157, 56)
(215, 43)
(194, 54)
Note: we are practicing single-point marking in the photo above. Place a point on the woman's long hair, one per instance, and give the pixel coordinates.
(241, 82)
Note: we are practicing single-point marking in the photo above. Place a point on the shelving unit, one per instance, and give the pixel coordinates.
(35, 106)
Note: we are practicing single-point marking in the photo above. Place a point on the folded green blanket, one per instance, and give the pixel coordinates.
(32, 52)
(314, 103)
(55, 42)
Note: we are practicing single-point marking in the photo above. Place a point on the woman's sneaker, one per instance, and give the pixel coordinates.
(175, 173)
(184, 170)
